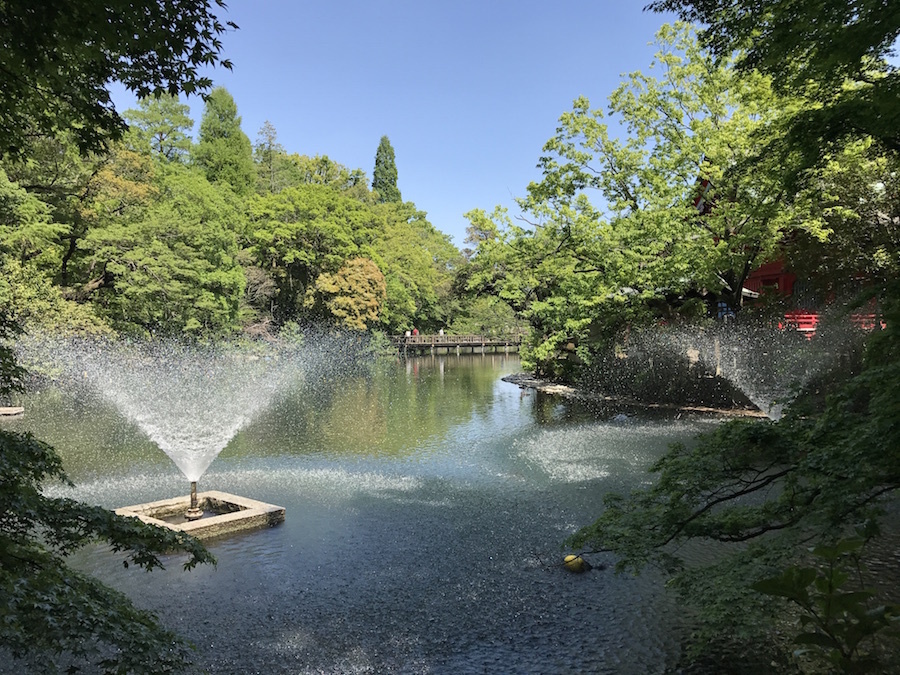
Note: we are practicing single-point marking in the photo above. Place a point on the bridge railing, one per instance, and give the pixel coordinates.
(438, 340)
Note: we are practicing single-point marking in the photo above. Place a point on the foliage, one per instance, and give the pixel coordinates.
(856, 193)
(302, 232)
(50, 609)
(27, 231)
(384, 176)
(781, 487)
(223, 150)
(164, 124)
(32, 301)
(322, 170)
(269, 156)
(487, 315)
(59, 56)
(620, 230)
(171, 266)
(419, 265)
(842, 623)
(833, 51)
(354, 294)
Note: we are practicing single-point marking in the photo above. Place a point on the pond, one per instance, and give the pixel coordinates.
(427, 502)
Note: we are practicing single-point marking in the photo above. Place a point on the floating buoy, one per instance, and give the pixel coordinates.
(575, 563)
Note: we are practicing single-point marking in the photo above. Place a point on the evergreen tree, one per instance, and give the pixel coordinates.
(224, 151)
(384, 177)
(271, 159)
(163, 122)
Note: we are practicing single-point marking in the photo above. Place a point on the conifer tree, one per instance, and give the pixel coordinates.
(384, 177)
(224, 151)
(165, 124)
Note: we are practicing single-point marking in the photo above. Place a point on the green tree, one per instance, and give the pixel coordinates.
(270, 158)
(27, 232)
(419, 265)
(856, 195)
(164, 123)
(322, 170)
(171, 266)
(56, 173)
(58, 58)
(487, 315)
(223, 150)
(384, 176)
(620, 228)
(834, 52)
(302, 232)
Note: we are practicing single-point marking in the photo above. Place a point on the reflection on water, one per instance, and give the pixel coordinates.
(426, 505)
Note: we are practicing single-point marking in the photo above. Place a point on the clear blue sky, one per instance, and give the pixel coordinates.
(467, 91)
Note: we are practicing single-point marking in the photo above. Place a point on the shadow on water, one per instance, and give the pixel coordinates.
(426, 502)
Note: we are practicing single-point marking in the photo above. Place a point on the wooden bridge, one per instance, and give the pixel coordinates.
(418, 344)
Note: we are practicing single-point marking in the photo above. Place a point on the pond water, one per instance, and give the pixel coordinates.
(427, 502)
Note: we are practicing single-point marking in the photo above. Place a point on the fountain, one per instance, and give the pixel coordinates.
(768, 365)
(191, 401)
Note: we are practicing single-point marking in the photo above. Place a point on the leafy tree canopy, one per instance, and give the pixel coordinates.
(59, 56)
(833, 51)
(626, 227)
(354, 294)
(171, 266)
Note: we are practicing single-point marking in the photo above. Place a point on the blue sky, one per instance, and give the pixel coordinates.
(467, 91)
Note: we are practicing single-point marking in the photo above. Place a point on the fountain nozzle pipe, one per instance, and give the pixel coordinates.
(194, 512)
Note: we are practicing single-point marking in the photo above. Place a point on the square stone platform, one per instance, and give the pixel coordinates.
(232, 514)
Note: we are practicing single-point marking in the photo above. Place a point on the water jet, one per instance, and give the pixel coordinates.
(191, 400)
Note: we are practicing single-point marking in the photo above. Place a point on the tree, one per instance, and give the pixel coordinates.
(27, 232)
(620, 229)
(59, 56)
(419, 265)
(171, 266)
(322, 170)
(833, 52)
(270, 157)
(302, 232)
(354, 294)
(856, 195)
(223, 150)
(164, 123)
(384, 176)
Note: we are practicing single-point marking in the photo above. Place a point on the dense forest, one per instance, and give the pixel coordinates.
(769, 134)
(160, 234)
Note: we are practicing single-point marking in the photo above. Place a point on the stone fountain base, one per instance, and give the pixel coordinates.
(226, 513)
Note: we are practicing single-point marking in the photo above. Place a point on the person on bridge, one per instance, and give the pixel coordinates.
(415, 331)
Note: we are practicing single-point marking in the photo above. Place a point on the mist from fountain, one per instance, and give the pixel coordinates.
(770, 366)
(190, 399)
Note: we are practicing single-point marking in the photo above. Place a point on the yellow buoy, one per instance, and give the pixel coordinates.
(575, 563)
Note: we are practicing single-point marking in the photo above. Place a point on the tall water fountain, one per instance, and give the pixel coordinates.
(189, 400)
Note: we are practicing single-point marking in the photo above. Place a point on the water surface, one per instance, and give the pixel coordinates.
(426, 506)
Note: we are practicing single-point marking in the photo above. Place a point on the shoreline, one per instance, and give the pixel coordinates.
(528, 381)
